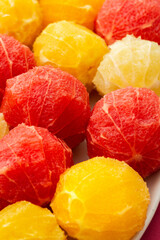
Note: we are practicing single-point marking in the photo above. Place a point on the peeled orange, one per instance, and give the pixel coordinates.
(71, 47)
(4, 129)
(20, 19)
(101, 198)
(23, 220)
(130, 62)
(80, 11)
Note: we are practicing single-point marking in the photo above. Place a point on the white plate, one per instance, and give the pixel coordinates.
(153, 182)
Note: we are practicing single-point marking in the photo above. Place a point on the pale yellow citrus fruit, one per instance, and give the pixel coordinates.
(20, 19)
(4, 128)
(101, 198)
(71, 47)
(80, 11)
(26, 221)
(130, 62)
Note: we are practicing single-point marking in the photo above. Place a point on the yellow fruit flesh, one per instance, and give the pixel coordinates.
(4, 129)
(71, 47)
(24, 220)
(131, 62)
(20, 19)
(101, 199)
(79, 11)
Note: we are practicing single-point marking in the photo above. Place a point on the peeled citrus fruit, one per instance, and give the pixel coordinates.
(118, 18)
(125, 124)
(80, 11)
(20, 19)
(31, 161)
(71, 47)
(24, 220)
(130, 62)
(51, 98)
(4, 129)
(15, 58)
(101, 198)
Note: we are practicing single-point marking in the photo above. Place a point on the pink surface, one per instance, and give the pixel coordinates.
(153, 231)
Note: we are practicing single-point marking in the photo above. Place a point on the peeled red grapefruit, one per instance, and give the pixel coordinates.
(118, 18)
(125, 124)
(31, 161)
(49, 98)
(15, 59)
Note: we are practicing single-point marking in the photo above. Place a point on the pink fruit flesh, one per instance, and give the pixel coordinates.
(49, 98)
(15, 59)
(31, 161)
(125, 125)
(118, 18)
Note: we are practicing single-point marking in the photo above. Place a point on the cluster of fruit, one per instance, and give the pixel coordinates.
(45, 112)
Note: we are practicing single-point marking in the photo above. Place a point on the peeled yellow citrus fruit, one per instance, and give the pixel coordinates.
(80, 11)
(20, 19)
(4, 129)
(23, 220)
(101, 198)
(71, 47)
(131, 62)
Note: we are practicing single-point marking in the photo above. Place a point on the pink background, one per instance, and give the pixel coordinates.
(153, 231)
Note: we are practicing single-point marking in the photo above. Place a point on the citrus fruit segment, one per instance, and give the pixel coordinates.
(23, 220)
(31, 161)
(4, 128)
(130, 62)
(20, 19)
(49, 98)
(101, 198)
(71, 47)
(125, 125)
(118, 18)
(79, 11)
(15, 59)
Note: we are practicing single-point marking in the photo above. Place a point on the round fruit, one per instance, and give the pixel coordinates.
(24, 220)
(101, 199)
(79, 11)
(118, 18)
(73, 48)
(31, 161)
(125, 125)
(20, 19)
(15, 59)
(49, 98)
(4, 128)
(131, 62)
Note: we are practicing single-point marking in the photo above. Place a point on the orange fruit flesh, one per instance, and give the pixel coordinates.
(101, 199)
(21, 19)
(79, 11)
(4, 128)
(71, 47)
(24, 220)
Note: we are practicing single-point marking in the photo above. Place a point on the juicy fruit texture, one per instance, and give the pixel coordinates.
(101, 199)
(4, 129)
(15, 59)
(70, 47)
(31, 161)
(79, 11)
(118, 18)
(24, 220)
(49, 98)
(20, 19)
(125, 125)
(131, 62)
